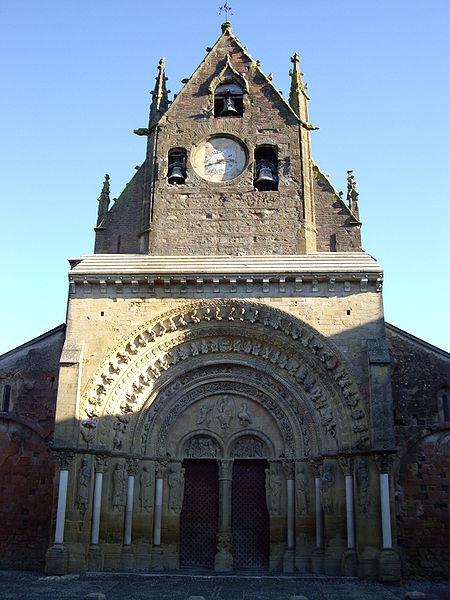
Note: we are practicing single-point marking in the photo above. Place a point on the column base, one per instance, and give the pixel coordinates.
(223, 561)
(95, 558)
(350, 563)
(56, 559)
(157, 559)
(127, 558)
(289, 560)
(317, 561)
(389, 568)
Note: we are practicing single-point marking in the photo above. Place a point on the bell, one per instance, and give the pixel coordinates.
(176, 175)
(229, 110)
(265, 180)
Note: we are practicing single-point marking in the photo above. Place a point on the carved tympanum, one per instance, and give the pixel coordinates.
(201, 447)
(249, 447)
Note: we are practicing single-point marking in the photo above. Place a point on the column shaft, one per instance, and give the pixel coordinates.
(98, 483)
(61, 510)
(319, 518)
(290, 512)
(385, 511)
(350, 511)
(129, 511)
(158, 511)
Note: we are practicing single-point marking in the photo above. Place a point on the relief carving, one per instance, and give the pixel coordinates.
(201, 447)
(244, 415)
(119, 488)
(327, 483)
(175, 481)
(362, 479)
(145, 490)
(249, 447)
(274, 482)
(225, 411)
(301, 492)
(83, 486)
(204, 414)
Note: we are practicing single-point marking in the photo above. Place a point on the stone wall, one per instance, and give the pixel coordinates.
(26, 466)
(420, 377)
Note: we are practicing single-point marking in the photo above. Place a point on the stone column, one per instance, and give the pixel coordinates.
(56, 556)
(95, 554)
(317, 561)
(160, 471)
(388, 560)
(224, 557)
(127, 554)
(349, 559)
(289, 555)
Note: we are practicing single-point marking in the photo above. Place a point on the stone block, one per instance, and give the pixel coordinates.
(415, 596)
(95, 596)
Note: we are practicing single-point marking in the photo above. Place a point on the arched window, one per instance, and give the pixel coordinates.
(443, 398)
(228, 100)
(176, 170)
(6, 400)
(266, 169)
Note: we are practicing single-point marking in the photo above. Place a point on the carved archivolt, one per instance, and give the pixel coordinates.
(136, 369)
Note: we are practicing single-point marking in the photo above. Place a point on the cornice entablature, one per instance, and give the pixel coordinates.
(233, 284)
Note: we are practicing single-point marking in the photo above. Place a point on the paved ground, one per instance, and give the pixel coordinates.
(15, 585)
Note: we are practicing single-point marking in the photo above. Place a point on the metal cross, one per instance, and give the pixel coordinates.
(225, 8)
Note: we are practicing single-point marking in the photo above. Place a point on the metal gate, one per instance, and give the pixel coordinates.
(199, 515)
(250, 517)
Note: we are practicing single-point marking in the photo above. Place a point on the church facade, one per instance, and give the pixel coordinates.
(224, 395)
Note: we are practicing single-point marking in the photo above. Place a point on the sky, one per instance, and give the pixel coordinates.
(76, 77)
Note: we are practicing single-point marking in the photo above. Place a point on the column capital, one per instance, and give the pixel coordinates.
(100, 463)
(225, 468)
(384, 462)
(316, 466)
(132, 466)
(346, 464)
(64, 458)
(288, 468)
(160, 469)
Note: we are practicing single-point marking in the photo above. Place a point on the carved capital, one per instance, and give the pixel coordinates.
(346, 464)
(132, 466)
(316, 466)
(288, 468)
(384, 462)
(225, 469)
(160, 469)
(101, 463)
(64, 459)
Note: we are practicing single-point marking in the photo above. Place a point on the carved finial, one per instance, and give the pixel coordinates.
(297, 86)
(103, 201)
(227, 10)
(160, 99)
(352, 194)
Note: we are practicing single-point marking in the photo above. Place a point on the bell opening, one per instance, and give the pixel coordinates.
(176, 170)
(266, 169)
(228, 101)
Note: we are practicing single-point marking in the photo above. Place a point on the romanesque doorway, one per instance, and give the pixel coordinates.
(250, 517)
(199, 514)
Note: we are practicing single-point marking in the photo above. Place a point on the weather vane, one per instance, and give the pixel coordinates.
(226, 9)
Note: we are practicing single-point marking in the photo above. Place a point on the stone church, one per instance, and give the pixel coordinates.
(225, 393)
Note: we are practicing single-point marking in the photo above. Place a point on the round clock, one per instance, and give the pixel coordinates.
(220, 158)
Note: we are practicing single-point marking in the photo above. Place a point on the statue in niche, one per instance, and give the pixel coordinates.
(145, 490)
(119, 427)
(175, 481)
(225, 411)
(301, 489)
(327, 481)
(84, 480)
(244, 415)
(204, 414)
(118, 488)
(362, 477)
(273, 490)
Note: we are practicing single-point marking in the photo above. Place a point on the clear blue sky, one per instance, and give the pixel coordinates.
(76, 76)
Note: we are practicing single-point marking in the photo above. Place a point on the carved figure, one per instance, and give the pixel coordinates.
(273, 490)
(249, 448)
(225, 411)
(201, 447)
(327, 481)
(204, 414)
(175, 481)
(362, 477)
(84, 478)
(244, 415)
(119, 427)
(118, 488)
(145, 490)
(301, 485)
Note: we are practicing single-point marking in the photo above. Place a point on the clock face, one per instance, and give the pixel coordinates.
(220, 159)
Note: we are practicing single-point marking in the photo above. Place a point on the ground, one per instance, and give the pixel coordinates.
(15, 585)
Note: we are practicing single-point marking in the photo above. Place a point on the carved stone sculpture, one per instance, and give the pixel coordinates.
(274, 483)
(225, 411)
(301, 492)
(327, 481)
(118, 496)
(145, 490)
(175, 481)
(244, 415)
(204, 414)
(362, 478)
(248, 447)
(83, 484)
(201, 447)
